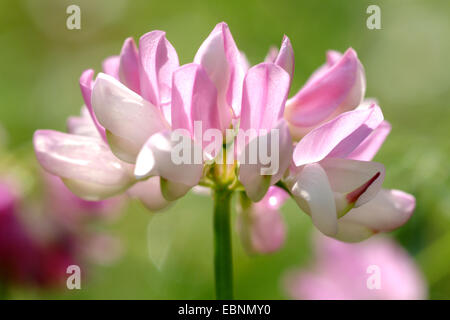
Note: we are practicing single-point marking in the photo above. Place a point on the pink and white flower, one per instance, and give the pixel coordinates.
(325, 136)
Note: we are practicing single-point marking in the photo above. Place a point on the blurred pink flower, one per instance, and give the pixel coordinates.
(343, 271)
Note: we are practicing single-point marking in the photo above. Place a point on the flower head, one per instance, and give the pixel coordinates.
(155, 129)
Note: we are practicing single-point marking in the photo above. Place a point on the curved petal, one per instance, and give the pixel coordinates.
(341, 85)
(86, 85)
(158, 60)
(129, 119)
(285, 57)
(338, 137)
(129, 65)
(86, 164)
(149, 193)
(266, 86)
(360, 181)
(312, 192)
(110, 66)
(258, 171)
(389, 210)
(370, 146)
(222, 60)
(157, 159)
(194, 98)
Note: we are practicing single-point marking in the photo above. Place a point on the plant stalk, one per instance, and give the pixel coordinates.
(223, 264)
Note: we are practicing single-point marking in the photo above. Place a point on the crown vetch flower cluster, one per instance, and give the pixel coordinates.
(327, 137)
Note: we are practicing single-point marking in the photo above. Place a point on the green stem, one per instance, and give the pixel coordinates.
(223, 264)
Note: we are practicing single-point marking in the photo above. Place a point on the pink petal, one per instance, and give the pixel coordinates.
(342, 84)
(261, 226)
(86, 85)
(110, 66)
(149, 193)
(266, 86)
(271, 55)
(370, 146)
(258, 175)
(82, 125)
(129, 119)
(194, 98)
(85, 164)
(285, 57)
(274, 198)
(222, 60)
(158, 60)
(129, 65)
(338, 137)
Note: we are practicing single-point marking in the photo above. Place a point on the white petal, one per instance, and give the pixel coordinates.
(129, 119)
(363, 178)
(312, 192)
(157, 159)
(389, 210)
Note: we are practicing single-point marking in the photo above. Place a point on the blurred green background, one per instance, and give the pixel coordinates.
(407, 68)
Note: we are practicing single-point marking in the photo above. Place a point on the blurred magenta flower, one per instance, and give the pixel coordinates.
(347, 271)
(322, 140)
(24, 258)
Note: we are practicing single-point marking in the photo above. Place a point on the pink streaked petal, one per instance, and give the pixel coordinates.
(359, 180)
(338, 137)
(86, 85)
(110, 66)
(343, 84)
(156, 159)
(223, 62)
(129, 65)
(370, 146)
(149, 193)
(158, 60)
(389, 210)
(266, 86)
(194, 98)
(129, 119)
(85, 164)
